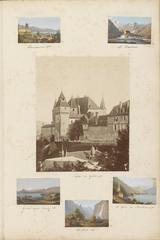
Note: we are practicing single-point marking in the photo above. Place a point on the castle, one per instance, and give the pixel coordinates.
(97, 124)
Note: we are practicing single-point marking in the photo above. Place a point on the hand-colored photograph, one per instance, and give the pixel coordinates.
(129, 190)
(130, 30)
(86, 213)
(40, 191)
(39, 30)
(80, 128)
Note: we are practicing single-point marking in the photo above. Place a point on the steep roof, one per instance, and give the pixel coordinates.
(72, 102)
(120, 109)
(61, 101)
(85, 104)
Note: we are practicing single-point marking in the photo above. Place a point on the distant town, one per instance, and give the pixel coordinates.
(31, 34)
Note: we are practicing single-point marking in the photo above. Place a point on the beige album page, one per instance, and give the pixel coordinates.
(80, 122)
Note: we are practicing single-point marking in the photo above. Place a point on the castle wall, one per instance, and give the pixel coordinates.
(100, 134)
(47, 132)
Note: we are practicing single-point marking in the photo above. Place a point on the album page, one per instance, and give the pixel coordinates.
(80, 120)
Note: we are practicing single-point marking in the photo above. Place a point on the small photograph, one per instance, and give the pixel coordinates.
(39, 30)
(86, 213)
(130, 30)
(40, 191)
(134, 190)
(78, 128)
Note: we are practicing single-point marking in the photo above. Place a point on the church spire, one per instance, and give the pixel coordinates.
(102, 105)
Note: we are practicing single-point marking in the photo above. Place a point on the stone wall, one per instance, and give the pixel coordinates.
(100, 134)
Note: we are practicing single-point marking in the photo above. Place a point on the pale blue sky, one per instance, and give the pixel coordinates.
(41, 22)
(138, 182)
(87, 203)
(34, 183)
(126, 20)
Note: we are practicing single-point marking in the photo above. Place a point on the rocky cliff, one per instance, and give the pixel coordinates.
(101, 210)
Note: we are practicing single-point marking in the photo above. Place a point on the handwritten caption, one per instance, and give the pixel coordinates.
(135, 206)
(127, 46)
(77, 176)
(32, 208)
(46, 46)
(85, 229)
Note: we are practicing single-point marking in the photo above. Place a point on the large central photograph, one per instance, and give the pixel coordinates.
(82, 114)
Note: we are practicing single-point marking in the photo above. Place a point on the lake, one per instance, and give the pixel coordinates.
(30, 195)
(145, 198)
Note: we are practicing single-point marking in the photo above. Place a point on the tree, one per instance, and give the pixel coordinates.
(76, 130)
(93, 220)
(122, 153)
(78, 214)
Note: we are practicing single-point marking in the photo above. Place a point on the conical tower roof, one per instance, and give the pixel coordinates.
(102, 105)
(61, 101)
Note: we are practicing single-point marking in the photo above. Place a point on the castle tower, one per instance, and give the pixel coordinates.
(61, 111)
(53, 111)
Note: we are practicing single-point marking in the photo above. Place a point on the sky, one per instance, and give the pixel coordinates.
(45, 22)
(138, 182)
(126, 20)
(87, 203)
(34, 183)
(95, 77)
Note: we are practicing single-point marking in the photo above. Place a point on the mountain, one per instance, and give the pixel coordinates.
(43, 30)
(44, 190)
(39, 29)
(113, 31)
(71, 206)
(125, 189)
(101, 210)
(139, 190)
(143, 30)
(151, 191)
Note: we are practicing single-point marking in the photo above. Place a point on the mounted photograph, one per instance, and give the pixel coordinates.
(82, 114)
(129, 190)
(39, 30)
(38, 191)
(130, 30)
(86, 213)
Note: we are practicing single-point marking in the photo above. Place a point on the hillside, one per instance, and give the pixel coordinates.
(113, 31)
(47, 190)
(70, 207)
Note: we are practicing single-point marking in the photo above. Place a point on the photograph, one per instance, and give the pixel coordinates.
(131, 190)
(39, 30)
(82, 114)
(130, 30)
(40, 191)
(86, 213)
